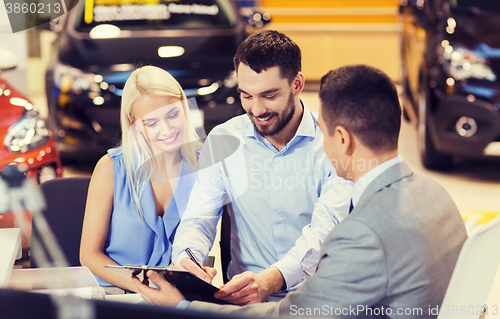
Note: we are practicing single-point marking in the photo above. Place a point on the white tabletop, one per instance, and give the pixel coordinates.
(10, 250)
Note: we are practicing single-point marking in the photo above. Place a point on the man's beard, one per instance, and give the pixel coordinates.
(281, 120)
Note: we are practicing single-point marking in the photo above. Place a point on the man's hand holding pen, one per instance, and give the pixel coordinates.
(193, 266)
(243, 289)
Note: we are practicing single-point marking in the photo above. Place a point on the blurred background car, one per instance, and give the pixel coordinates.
(450, 77)
(100, 43)
(26, 139)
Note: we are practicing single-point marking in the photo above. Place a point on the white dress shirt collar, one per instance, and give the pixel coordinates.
(307, 126)
(365, 180)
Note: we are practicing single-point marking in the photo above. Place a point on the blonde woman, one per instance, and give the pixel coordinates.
(139, 191)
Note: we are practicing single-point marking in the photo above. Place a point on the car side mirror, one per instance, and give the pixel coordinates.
(8, 60)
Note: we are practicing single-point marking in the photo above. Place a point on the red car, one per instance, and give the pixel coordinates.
(26, 139)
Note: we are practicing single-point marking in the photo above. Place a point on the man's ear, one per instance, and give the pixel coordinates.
(346, 140)
(298, 83)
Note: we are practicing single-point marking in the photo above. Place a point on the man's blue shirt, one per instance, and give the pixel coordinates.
(282, 203)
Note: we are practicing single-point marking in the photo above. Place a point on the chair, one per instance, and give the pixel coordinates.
(474, 273)
(66, 199)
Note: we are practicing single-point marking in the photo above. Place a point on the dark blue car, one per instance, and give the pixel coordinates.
(451, 77)
(101, 42)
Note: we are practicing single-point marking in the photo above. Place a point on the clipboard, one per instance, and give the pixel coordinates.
(192, 287)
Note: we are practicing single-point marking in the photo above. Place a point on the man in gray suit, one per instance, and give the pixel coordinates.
(393, 256)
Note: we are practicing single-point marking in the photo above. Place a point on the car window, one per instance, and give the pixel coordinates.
(138, 15)
(483, 5)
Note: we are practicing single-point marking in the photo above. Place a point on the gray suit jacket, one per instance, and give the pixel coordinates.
(397, 249)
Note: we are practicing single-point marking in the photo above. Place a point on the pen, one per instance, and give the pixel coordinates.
(195, 260)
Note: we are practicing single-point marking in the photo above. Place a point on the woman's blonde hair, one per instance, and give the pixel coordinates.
(138, 156)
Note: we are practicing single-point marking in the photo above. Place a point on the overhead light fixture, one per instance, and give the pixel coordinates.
(208, 89)
(105, 31)
(170, 51)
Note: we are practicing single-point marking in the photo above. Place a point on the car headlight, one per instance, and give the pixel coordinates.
(29, 133)
(465, 64)
(69, 79)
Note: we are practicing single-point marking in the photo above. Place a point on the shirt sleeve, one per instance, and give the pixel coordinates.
(198, 226)
(183, 305)
(331, 208)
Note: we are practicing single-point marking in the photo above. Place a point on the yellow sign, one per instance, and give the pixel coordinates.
(89, 5)
(480, 217)
(124, 2)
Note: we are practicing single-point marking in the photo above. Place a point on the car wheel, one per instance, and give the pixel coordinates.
(431, 159)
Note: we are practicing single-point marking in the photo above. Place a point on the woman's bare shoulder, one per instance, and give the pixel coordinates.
(103, 170)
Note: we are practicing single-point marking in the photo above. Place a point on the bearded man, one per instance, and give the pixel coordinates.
(283, 194)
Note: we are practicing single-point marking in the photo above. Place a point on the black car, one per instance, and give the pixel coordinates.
(451, 77)
(102, 42)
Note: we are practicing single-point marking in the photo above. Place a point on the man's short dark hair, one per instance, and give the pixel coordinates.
(363, 100)
(267, 49)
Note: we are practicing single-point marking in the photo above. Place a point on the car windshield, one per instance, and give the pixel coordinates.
(473, 5)
(138, 15)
